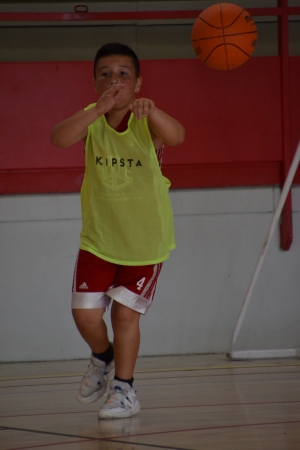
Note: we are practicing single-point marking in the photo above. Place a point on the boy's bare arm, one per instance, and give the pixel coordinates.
(75, 128)
(164, 128)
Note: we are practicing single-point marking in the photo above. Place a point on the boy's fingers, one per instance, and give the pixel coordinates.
(135, 109)
(142, 108)
(149, 108)
(146, 110)
(113, 89)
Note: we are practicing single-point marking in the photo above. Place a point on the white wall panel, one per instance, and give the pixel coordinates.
(200, 292)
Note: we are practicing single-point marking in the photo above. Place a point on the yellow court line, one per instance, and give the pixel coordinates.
(170, 369)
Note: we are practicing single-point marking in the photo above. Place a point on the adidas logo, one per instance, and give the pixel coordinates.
(83, 286)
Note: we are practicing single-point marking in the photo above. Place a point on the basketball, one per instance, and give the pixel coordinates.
(224, 36)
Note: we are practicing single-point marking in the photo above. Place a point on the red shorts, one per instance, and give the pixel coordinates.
(96, 282)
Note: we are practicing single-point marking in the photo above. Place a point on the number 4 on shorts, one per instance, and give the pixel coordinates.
(140, 283)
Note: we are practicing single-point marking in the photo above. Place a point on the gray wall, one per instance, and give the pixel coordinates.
(219, 235)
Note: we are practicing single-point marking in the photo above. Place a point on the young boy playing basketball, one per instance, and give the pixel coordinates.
(127, 222)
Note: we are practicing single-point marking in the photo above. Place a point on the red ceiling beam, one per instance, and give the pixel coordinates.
(125, 15)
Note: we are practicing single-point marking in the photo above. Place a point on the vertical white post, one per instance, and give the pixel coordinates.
(283, 196)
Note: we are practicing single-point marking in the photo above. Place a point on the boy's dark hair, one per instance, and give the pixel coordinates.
(117, 49)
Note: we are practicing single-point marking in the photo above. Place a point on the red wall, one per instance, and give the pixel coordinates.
(232, 120)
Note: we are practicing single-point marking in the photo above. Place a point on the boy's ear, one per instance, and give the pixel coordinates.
(138, 85)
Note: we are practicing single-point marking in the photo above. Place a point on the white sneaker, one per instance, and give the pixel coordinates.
(121, 402)
(95, 381)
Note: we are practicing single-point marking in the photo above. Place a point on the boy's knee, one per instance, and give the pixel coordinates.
(87, 318)
(122, 315)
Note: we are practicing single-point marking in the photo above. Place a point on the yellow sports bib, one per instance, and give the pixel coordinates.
(126, 211)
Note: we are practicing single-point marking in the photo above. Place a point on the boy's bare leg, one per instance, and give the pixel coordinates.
(125, 323)
(92, 328)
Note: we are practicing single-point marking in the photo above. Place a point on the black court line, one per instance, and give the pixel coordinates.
(199, 382)
(155, 378)
(201, 405)
(37, 385)
(31, 392)
(50, 445)
(165, 370)
(200, 377)
(220, 427)
(220, 382)
(87, 439)
(119, 441)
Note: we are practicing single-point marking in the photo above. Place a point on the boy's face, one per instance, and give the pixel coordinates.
(117, 69)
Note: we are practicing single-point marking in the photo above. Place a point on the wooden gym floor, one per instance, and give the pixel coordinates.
(188, 403)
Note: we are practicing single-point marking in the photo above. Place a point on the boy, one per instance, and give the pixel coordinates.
(127, 223)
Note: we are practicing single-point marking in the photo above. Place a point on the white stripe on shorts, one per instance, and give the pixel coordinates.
(75, 273)
(90, 300)
(149, 290)
(128, 298)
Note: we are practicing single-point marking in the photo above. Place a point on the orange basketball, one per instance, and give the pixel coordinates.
(224, 36)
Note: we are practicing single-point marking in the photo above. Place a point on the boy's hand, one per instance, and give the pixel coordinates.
(108, 98)
(142, 107)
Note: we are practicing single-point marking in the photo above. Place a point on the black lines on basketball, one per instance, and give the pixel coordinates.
(224, 36)
(221, 35)
(226, 45)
